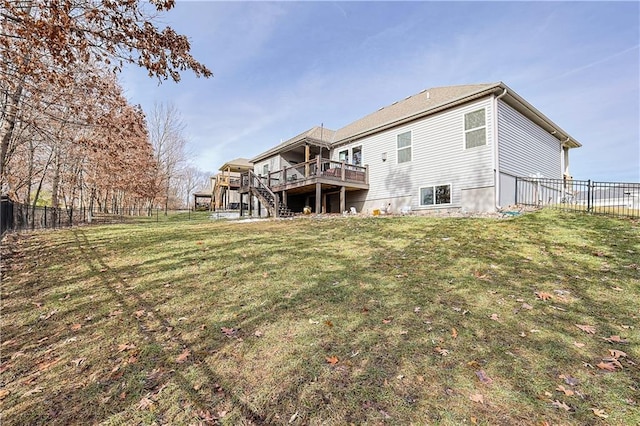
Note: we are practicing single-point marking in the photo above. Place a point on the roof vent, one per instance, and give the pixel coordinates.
(394, 103)
(428, 95)
(407, 97)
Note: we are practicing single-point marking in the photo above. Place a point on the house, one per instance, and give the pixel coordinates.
(455, 147)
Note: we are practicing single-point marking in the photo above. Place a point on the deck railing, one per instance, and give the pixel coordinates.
(320, 167)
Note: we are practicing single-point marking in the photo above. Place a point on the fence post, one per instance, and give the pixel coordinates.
(6, 214)
(516, 194)
(589, 195)
(45, 216)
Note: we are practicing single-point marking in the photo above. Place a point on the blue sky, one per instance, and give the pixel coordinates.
(283, 67)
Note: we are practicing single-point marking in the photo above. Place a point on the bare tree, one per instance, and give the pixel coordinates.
(167, 136)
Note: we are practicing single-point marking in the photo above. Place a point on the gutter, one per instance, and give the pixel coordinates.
(496, 151)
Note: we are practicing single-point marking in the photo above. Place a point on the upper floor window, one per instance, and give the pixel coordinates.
(344, 156)
(475, 129)
(357, 155)
(265, 169)
(404, 147)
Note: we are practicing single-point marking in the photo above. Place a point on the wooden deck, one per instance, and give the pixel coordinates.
(316, 177)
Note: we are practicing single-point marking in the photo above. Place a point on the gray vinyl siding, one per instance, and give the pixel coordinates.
(524, 147)
(273, 162)
(438, 156)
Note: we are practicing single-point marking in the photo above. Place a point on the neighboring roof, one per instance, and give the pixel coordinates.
(427, 102)
(317, 135)
(237, 165)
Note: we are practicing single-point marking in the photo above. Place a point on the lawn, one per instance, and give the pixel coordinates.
(385, 320)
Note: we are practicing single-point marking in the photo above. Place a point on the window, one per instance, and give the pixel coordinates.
(357, 156)
(265, 170)
(344, 156)
(404, 147)
(435, 195)
(475, 127)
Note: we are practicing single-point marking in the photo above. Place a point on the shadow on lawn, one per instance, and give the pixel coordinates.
(360, 284)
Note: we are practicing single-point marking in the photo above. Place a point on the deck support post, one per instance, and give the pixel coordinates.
(343, 202)
(318, 197)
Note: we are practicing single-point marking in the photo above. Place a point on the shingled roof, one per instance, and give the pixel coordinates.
(411, 107)
(428, 101)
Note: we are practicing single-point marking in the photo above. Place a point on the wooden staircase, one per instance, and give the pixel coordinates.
(253, 184)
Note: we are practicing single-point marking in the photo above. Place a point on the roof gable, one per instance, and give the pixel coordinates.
(317, 134)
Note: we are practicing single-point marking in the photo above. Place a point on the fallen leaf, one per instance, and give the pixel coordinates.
(527, 306)
(183, 356)
(587, 328)
(477, 397)
(494, 317)
(125, 347)
(567, 392)
(617, 288)
(115, 313)
(562, 405)
(76, 327)
(454, 333)
(333, 360)
(313, 322)
(139, 313)
(229, 332)
(484, 379)
(386, 321)
(49, 315)
(442, 351)
(599, 412)
(258, 333)
(145, 404)
(4, 393)
(203, 327)
(571, 381)
(617, 354)
(543, 295)
(416, 309)
(615, 339)
(607, 366)
(47, 364)
(578, 345)
(473, 420)
(328, 323)
(479, 275)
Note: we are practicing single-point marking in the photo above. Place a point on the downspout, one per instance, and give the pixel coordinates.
(496, 158)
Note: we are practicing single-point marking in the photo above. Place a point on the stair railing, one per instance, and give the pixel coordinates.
(255, 182)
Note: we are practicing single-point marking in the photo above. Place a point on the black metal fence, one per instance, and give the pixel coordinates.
(19, 217)
(607, 198)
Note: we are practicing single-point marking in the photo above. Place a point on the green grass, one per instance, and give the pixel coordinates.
(95, 319)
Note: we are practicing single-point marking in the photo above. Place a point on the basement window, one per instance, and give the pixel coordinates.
(435, 195)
